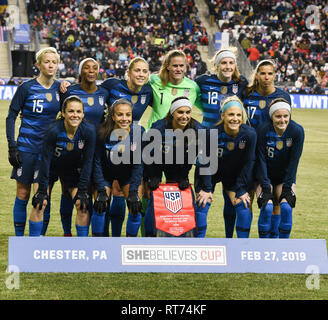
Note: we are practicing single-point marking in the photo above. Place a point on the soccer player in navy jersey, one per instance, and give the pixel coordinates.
(279, 148)
(67, 153)
(135, 89)
(225, 80)
(39, 102)
(257, 98)
(94, 99)
(260, 92)
(178, 118)
(236, 157)
(118, 157)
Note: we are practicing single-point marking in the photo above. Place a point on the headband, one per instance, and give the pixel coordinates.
(233, 103)
(183, 102)
(71, 98)
(279, 105)
(85, 60)
(49, 49)
(224, 54)
(265, 61)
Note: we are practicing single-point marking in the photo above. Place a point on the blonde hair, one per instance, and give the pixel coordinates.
(253, 85)
(233, 98)
(132, 63)
(42, 52)
(163, 72)
(214, 67)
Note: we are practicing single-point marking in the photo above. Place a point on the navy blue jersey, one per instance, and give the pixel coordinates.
(62, 155)
(115, 158)
(94, 103)
(236, 158)
(278, 157)
(213, 91)
(176, 166)
(39, 107)
(257, 105)
(118, 88)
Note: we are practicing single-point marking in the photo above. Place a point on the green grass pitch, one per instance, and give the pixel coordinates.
(310, 222)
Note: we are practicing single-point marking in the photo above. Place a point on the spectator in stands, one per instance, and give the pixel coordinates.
(254, 55)
(115, 28)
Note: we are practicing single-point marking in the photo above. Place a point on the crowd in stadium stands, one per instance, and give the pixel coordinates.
(283, 31)
(108, 32)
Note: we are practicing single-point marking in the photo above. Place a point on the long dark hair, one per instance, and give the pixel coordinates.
(107, 126)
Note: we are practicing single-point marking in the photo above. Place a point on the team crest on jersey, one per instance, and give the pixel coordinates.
(279, 145)
(230, 146)
(69, 146)
(224, 89)
(90, 101)
(242, 144)
(80, 144)
(289, 142)
(101, 100)
(49, 96)
(174, 91)
(262, 104)
(173, 200)
(134, 99)
(235, 88)
(186, 92)
(143, 99)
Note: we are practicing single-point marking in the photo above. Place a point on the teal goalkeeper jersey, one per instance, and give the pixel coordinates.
(164, 95)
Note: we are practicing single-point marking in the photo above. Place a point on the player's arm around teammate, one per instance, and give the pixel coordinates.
(38, 102)
(118, 157)
(67, 153)
(235, 156)
(178, 120)
(279, 148)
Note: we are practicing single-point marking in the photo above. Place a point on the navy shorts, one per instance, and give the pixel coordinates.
(69, 179)
(28, 172)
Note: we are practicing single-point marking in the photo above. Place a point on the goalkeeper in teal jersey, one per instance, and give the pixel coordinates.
(169, 84)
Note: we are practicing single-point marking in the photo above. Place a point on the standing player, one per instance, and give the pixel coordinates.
(67, 153)
(39, 102)
(260, 92)
(135, 89)
(118, 143)
(279, 148)
(225, 80)
(178, 118)
(170, 83)
(94, 98)
(236, 157)
(256, 98)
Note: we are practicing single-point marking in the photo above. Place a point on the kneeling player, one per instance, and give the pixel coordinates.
(118, 157)
(279, 148)
(67, 153)
(177, 170)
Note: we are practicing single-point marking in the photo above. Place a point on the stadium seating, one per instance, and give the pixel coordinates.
(108, 32)
(291, 33)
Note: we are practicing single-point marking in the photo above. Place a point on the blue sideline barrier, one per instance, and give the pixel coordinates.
(173, 255)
